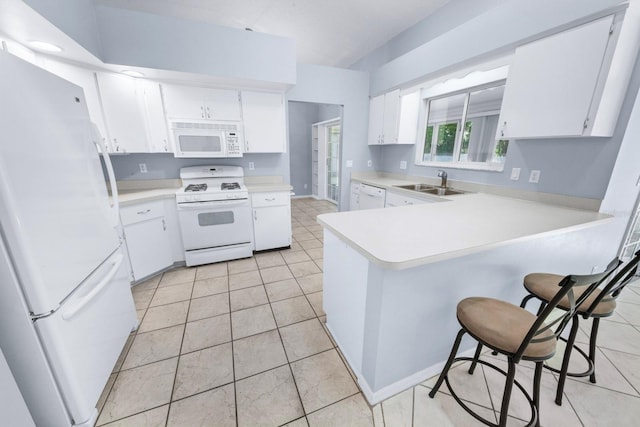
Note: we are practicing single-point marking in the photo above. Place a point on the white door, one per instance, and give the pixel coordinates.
(221, 104)
(156, 123)
(391, 113)
(123, 112)
(184, 102)
(272, 227)
(84, 337)
(54, 207)
(376, 116)
(263, 115)
(149, 247)
(211, 224)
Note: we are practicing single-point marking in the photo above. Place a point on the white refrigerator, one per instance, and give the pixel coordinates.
(66, 307)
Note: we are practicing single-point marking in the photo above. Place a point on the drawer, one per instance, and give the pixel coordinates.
(141, 212)
(259, 200)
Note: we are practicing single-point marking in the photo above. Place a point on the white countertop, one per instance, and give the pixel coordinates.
(409, 236)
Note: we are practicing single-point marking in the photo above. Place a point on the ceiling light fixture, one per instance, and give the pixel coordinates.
(47, 47)
(132, 73)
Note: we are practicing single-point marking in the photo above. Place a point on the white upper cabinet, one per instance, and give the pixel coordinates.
(408, 121)
(86, 79)
(123, 112)
(563, 85)
(156, 124)
(393, 119)
(197, 103)
(264, 122)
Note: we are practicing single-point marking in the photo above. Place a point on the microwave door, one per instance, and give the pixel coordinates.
(191, 145)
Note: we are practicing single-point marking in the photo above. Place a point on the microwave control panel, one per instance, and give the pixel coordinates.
(233, 145)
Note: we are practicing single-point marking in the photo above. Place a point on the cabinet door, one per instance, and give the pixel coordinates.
(155, 120)
(86, 79)
(271, 227)
(222, 104)
(408, 121)
(376, 117)
(390, 119)
(552, 81)
(184, 102)
(123, 113)
(264, 122)
(149, 248)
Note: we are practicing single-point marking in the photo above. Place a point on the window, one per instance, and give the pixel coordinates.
(448, 142)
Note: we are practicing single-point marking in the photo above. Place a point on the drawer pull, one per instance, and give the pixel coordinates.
(144, 212)
(271, 199)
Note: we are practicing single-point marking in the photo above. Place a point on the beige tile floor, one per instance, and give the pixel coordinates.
(243, 343)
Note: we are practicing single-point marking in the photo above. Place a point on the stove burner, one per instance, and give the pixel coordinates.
(229, 186)
(196, 187)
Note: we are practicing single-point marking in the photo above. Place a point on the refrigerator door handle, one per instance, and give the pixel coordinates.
(82, 302)
(101, 146)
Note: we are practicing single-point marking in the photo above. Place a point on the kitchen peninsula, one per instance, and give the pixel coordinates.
(393, 277)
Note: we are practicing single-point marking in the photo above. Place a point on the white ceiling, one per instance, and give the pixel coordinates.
(327, 32)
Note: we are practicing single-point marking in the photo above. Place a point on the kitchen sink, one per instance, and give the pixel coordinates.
(431, 189)
(416, 187)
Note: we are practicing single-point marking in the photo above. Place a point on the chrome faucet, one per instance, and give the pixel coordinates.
(443, 175)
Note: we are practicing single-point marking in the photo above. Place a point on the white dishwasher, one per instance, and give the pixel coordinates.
(371, 197)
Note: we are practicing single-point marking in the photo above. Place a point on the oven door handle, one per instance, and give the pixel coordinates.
(216, 204)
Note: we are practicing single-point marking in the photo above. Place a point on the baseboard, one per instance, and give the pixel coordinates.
(375, 397)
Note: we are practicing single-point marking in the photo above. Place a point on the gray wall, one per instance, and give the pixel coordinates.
(328, 112)
(301, 116)
(165, 166)
(327, 85)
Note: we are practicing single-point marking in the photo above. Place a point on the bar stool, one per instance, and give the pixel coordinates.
(516, 333)
(600, 303)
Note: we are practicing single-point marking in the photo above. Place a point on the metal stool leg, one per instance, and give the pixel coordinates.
(445, 370)
(566, 358)
(475, 359)
(536, 390)
(506, 397)
(592, 348)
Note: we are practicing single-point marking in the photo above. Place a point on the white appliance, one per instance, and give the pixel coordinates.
(370, 197)
(207, 139)
(66, 308)
(214, 213)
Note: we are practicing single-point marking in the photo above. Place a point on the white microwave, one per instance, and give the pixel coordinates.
(207, 139)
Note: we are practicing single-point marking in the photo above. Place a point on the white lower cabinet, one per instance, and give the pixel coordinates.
(148, 238)
(271, 220)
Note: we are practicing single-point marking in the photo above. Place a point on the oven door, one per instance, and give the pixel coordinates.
(213, 224)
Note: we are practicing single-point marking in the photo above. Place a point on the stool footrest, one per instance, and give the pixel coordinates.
(534, 412)
(586, 373)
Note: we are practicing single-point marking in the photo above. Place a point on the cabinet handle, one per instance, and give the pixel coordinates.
(271, 199)
(164, 225)
(255, 215)
(144, 212)
(202, 111)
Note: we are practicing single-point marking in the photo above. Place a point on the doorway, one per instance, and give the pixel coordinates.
(325, 166)
(315, 145)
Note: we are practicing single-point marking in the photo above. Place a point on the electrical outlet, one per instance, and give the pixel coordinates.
(403, 164)
(369, 163)
(252, 166)
(349, 163)
(534, 177)
(143, 167)
(515, 174)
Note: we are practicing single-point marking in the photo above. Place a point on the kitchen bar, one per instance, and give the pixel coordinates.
(390, 295)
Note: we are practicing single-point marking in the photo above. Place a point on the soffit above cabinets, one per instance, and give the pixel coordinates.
(329, 32)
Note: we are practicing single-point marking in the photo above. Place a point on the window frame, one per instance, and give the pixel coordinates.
(466, 85)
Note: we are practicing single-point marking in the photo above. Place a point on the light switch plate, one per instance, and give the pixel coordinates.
(143, 167)
(369, 163)
(534, 177)
(515, 174)
(349, 163)
(252, 166)
(403, 164)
